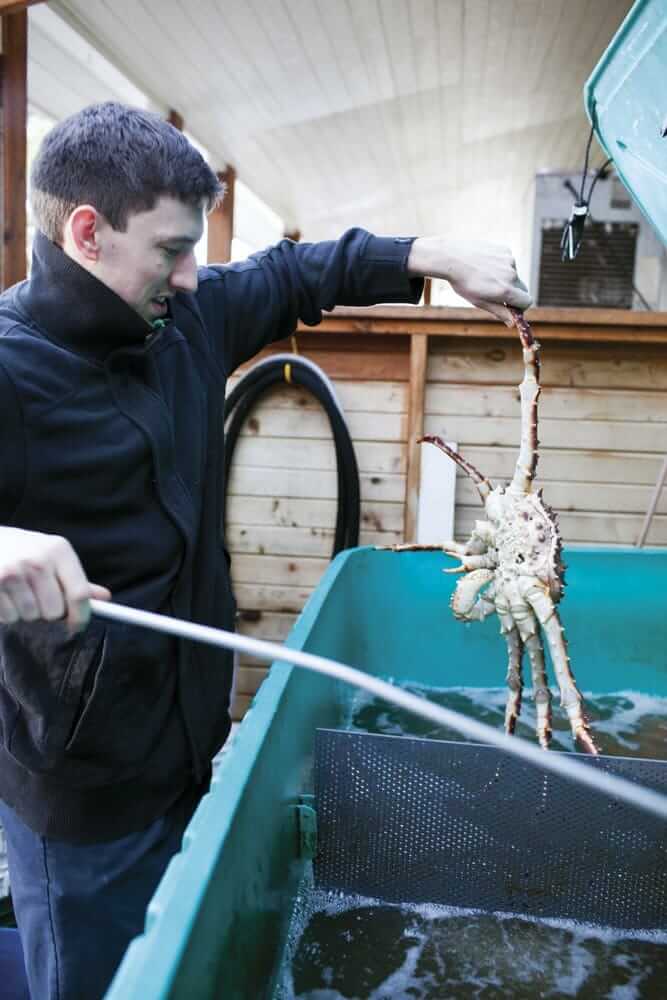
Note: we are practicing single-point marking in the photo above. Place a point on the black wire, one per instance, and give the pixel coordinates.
(583, 176)
(244, 396)
(610, 247)
(600, 171)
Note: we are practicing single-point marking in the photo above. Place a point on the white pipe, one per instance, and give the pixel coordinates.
(657, 490)
(560, 763)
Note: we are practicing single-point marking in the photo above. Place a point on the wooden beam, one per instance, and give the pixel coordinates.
(14, 111)
(175, 119)
(418, 359)
(14, 6)
(221, 223)
(600, 325)
(427, 291)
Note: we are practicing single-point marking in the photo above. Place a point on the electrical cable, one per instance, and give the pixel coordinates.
(301, 372)
(573, 231)
(593, 240)
(598, 173)
(585, 170)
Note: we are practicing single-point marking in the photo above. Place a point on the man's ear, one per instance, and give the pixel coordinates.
(82, 234)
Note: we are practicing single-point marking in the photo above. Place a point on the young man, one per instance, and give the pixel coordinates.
(113, 361)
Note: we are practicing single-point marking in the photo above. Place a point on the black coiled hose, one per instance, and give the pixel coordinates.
(307, 375)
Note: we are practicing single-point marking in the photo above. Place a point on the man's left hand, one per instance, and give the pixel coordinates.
(483, 273)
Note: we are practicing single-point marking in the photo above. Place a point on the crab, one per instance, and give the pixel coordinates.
(512, 565)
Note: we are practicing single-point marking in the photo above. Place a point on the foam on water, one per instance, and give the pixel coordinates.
(625, 722)
(353, 948)
(346, 947)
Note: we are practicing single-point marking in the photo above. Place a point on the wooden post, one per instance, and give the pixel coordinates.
(427, 291)
(418, 358)
(175, 119)
(294, 234)
(13, 6)
(13, 146)
(221, 223)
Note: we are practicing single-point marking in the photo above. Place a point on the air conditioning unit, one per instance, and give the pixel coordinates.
(621, 263)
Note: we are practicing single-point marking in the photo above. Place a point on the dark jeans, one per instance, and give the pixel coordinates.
(13, 982)
(78, 906)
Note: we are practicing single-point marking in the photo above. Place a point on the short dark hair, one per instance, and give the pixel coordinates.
(120, 160)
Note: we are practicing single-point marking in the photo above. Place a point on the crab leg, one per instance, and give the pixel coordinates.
(516, 613)
(487, 560)
(529, 391)
(541, 692)
(483, 485)
(570, 695)
(467, 603)
(514, 679)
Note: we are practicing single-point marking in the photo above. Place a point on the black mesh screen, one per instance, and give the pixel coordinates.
(411, 820)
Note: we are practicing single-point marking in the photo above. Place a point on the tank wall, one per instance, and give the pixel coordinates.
(217, 923)
(393, 619)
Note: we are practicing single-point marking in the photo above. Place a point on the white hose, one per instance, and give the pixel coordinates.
(560, 763)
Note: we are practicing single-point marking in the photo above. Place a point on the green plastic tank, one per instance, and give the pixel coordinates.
(218, 922)
(626, 100)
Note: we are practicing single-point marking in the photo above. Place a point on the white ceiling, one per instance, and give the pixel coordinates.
(404, 116)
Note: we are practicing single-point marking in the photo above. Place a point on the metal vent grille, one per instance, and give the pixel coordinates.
(600, 275)
(410, 820)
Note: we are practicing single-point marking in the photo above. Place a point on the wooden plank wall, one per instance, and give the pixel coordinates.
(603, 417)
(602, 430)
(282, 494)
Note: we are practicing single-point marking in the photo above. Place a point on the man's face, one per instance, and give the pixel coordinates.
(154, 258)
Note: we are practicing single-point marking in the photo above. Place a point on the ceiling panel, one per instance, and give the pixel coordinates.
(402, 115)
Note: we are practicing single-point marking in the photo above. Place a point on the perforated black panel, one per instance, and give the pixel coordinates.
(410, 820)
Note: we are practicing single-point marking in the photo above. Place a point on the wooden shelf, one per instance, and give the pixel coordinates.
(602, 325)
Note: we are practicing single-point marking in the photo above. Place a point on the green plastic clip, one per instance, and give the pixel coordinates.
(306, 819)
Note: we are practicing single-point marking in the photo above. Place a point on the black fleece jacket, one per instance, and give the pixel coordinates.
(112, 436)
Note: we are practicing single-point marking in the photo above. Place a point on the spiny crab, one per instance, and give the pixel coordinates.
(512, 566)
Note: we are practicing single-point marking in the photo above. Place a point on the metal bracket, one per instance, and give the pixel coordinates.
(306, 819)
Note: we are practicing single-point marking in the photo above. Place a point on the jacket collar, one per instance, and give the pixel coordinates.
(74, 308)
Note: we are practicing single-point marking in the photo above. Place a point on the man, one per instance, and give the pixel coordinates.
(113, 361)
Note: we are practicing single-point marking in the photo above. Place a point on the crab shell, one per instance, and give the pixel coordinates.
(526, 537)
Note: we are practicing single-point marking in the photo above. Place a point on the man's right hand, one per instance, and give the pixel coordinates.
(41, 578)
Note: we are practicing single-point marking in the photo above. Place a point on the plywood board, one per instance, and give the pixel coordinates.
(595, 366)
(649, 406)
(248, 480)
(565, 465)
(270, 596)
(295, 541)
(589, 435)
(281, 453)
(285, 512)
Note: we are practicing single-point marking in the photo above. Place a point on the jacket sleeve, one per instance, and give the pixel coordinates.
(12, 449)
(248, 304)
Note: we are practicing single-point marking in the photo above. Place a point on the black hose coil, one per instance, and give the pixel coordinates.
(308, 376)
